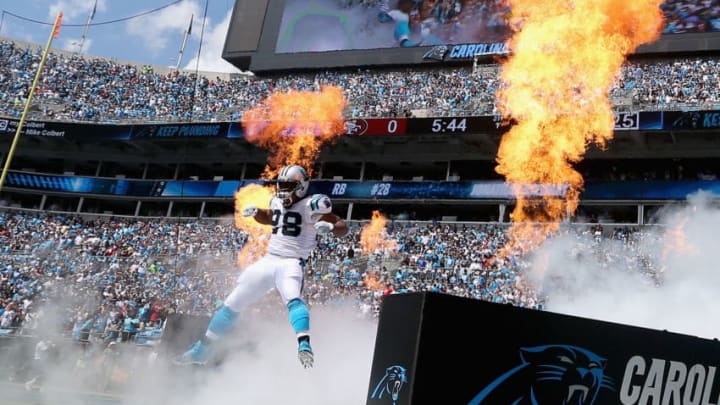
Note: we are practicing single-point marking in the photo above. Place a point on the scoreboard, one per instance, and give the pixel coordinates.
(423, 126)
(708, 120)
(624, 121)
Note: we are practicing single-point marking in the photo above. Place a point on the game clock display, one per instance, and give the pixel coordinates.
(455, 125)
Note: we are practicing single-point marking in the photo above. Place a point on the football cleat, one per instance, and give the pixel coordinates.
(305, 354)
(384, 17)
(198, 354)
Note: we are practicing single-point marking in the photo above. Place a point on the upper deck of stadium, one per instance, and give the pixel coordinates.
(85, 88)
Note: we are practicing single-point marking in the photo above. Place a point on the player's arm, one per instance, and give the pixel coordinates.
(263, 216)
(321, 208)
(340, 228)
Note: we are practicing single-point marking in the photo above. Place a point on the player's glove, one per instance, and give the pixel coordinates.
(323, 227)
(250, 211)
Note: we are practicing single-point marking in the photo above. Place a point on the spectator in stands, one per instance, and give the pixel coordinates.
(74, 88)
(683, 16)
(60, 266)
(7, 319)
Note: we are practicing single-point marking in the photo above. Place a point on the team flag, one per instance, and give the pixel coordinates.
(58, 23)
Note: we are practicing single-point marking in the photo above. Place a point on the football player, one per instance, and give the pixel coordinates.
(296, 220)
(402, 30)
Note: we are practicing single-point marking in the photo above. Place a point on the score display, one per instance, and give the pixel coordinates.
(624, 121)
(376, 126)
(423, 126)
(627, 121)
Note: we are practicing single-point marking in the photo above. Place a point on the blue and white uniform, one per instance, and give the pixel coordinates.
(402, 27)
(292, 240)
(294, 236)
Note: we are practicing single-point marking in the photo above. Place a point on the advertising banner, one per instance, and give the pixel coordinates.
(691, 120)
(69, 130)
(84, 185)
(471, 352)
(390, 127)
(360, 190)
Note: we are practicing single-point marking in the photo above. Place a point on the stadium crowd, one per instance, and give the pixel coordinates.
(92, 89)
(117, 279)
(689, 16)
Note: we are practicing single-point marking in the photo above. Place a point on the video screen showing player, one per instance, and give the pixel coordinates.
(334, 25)
(372, 24)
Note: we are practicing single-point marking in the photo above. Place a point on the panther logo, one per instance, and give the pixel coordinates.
(437, 52)
(144, 131)
(688, 120)
(391, 383)
(549, 375)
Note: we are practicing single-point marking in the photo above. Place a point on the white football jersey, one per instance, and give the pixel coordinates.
(293, 231)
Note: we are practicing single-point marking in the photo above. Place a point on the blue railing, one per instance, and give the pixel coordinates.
(355, 190)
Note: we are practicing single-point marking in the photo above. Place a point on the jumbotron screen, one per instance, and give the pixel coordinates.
(351, 25)
(300, 34)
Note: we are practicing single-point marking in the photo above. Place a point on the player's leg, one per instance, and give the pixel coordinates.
(252, 284)
(289, 283)
(402, 34)
(383, 16)
(36, 371)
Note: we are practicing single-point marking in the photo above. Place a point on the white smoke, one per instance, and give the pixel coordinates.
(684, 256)
(270, 371)
(61, 370)
(679, 295)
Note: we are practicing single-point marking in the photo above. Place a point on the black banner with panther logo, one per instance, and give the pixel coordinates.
(471, 352)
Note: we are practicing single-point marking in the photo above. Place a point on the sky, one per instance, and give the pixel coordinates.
(152, 39)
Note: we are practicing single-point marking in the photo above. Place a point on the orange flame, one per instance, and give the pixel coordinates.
(372, 281)
(565, 57)
(259, 196)
(675, 242)
(374, 237)
(293, 126)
